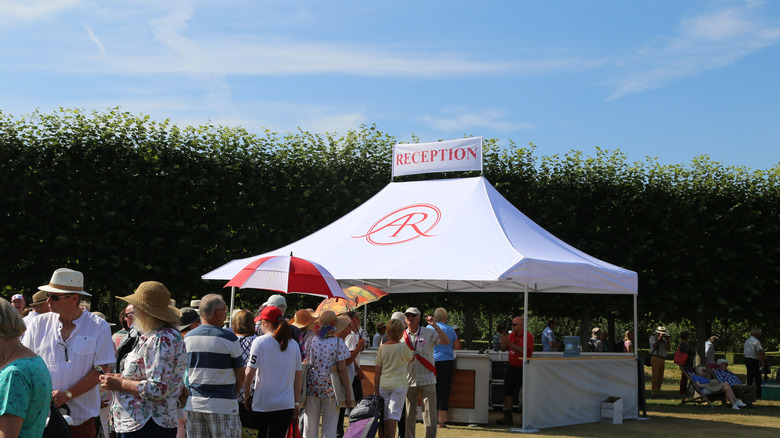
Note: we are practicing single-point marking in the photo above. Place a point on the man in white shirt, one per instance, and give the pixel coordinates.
(709, 349)
(73, 342)
(754, 360)
(421, 372)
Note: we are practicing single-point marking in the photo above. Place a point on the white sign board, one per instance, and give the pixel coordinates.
(443, 156)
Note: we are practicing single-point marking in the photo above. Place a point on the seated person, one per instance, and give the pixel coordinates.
(708, 386)
(746, 393)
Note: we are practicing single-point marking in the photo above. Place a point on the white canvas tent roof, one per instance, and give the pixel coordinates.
(456, 235)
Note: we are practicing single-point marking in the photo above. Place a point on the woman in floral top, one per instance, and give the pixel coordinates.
(326, 349)
(145, 394)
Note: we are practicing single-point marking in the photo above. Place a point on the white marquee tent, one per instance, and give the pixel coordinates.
(461, 235)
(456, 235)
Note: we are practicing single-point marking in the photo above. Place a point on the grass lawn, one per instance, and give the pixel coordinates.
(667, 418)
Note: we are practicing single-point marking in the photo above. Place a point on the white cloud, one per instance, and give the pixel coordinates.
(465, 121)
(96, 40)
(704, 42)
(13, 10)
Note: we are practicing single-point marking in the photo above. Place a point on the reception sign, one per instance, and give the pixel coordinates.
(443, 156)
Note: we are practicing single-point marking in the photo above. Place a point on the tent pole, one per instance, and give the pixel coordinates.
(232, 302)
(635, 328)
(524, 389)
(365, 322)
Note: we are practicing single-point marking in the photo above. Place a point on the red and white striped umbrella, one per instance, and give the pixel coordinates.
(289, 275)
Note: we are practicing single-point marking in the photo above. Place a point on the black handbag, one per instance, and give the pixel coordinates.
(648, 358)
(56, 426)
(372, 406)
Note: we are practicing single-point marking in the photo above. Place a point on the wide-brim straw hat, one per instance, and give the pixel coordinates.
(329, 318)
(342, 321)
(661, 330)
(66, 281)
(154, 298)
(303, 318)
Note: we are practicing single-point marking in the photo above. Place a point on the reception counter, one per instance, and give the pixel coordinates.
(563, 390)
(469, 400)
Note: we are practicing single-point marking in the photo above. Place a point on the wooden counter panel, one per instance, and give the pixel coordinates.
(461, 396)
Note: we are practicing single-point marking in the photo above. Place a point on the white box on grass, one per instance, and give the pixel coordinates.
(612, 410)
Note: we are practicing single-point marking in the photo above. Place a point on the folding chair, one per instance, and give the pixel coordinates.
(694, 394)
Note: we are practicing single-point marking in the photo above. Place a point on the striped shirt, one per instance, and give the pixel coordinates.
(213, 354)
(727, 377)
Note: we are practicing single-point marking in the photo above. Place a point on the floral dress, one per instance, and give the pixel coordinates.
(322, 354)
(157, 362)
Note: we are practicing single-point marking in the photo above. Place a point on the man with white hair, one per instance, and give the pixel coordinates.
(754, 360)
(74, 343)
(216, 374)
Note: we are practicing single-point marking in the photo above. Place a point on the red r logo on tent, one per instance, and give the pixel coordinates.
(403, 225)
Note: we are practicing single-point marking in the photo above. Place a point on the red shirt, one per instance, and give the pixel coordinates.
(516, 357)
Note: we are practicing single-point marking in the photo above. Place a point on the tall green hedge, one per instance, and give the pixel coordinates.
(125, 199)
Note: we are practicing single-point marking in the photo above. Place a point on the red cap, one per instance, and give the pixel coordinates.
(270, 313)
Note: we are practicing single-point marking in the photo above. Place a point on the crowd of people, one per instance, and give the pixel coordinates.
(199, 372)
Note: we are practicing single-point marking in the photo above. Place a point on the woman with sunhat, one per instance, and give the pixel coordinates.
(145, 394)
(325, 350)
(276, 359)
(303, 321)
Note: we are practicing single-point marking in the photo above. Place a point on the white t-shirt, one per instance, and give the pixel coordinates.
(89, 345)
(351, 341)
(275, 381)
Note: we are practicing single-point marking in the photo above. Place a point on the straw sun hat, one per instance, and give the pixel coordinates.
(154, 298)
(330, 318)
(303, 318)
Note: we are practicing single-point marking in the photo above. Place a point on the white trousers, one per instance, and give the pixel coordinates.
(315, 408)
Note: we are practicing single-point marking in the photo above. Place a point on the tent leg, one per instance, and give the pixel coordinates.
(524, 391)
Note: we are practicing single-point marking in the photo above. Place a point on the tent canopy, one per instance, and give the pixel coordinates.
(455, 235)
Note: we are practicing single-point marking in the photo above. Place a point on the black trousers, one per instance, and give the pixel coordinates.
(754, 374)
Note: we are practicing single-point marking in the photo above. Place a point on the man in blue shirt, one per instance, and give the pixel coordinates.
(548, 337)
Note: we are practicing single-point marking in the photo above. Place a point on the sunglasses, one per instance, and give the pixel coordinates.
(59, 297)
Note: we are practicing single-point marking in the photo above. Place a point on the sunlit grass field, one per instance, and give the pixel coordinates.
(666, 418)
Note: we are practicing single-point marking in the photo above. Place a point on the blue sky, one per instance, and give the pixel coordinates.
(660, 78)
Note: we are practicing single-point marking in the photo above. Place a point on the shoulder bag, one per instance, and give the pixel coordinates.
(340, 389)
(680, 357)
(648, 358)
